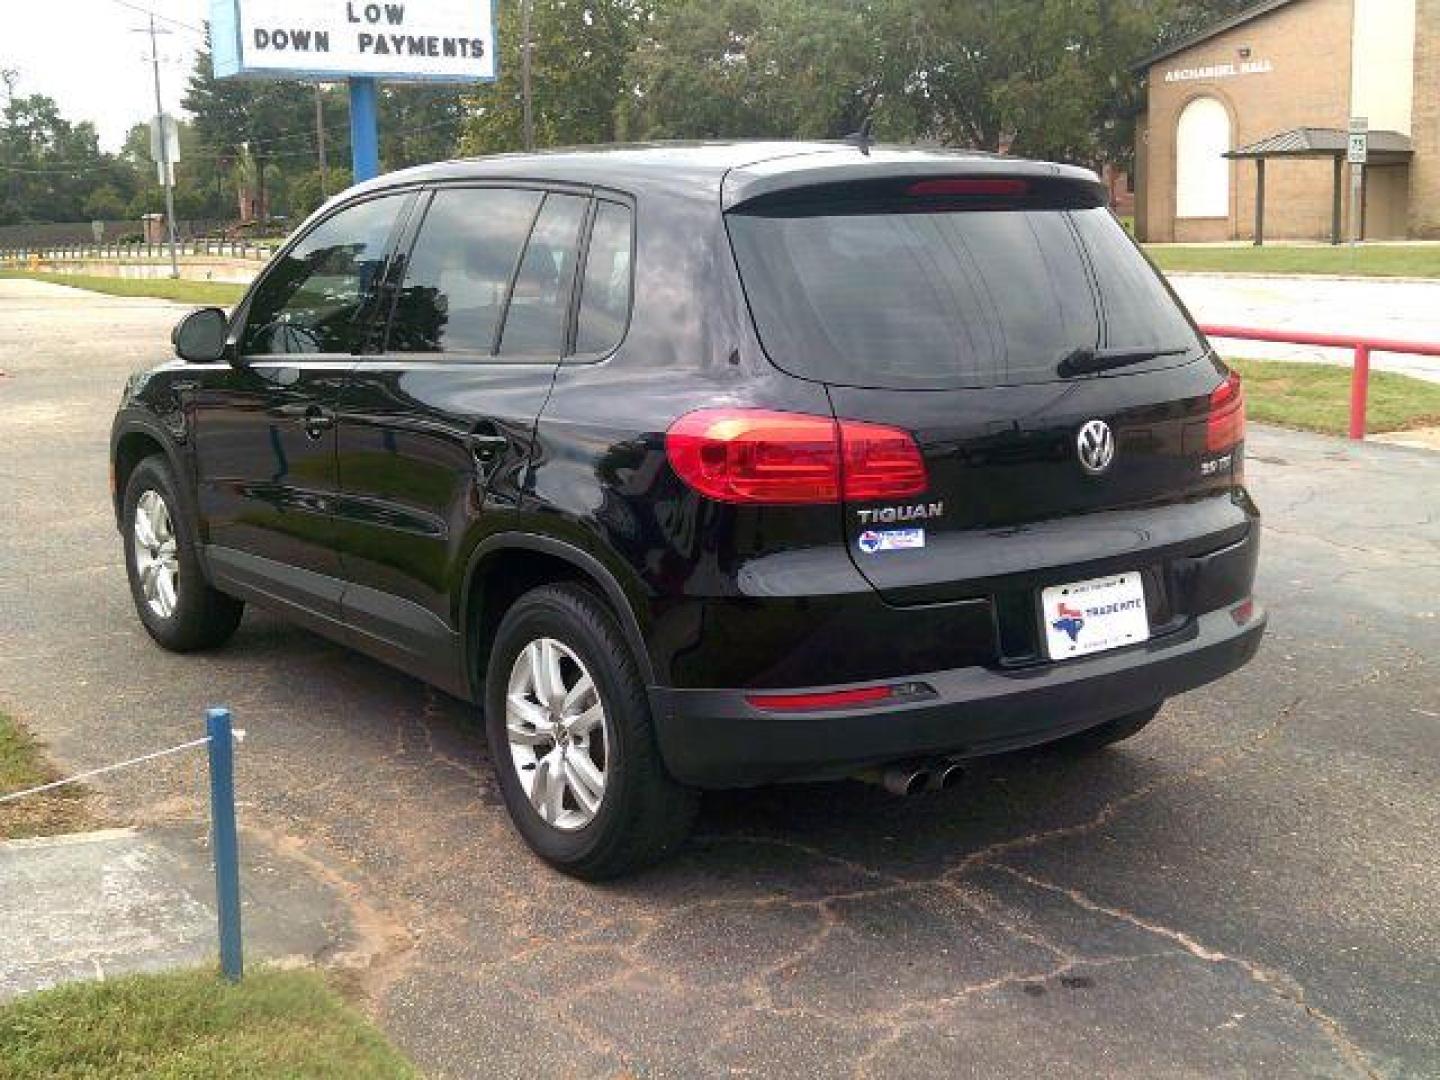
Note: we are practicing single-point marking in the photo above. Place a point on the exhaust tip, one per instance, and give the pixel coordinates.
(906, 779)
(949, 775)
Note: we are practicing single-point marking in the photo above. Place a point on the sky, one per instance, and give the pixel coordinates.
(82, 53)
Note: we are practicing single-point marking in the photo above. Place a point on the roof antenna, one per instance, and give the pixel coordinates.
(862, 139)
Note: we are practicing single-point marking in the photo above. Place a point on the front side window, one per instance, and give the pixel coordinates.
(459, 272)
(605, 287)
(316, 299)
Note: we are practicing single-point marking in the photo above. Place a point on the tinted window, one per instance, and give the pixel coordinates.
(454, 290)
(605, 288)
(315, 299)
(947, 297)
(540, 302)
(1138, 307)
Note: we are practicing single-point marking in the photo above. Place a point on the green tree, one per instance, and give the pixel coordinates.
(271, 120)
(748, 68)
(49, 165)
(579, 56)
(420, 124)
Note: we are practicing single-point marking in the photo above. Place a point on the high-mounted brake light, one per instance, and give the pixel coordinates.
(1225, 427)
(763, 457)
(986, 185)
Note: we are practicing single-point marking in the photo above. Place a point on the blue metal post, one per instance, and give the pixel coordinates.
(224, 843)
(364, 129)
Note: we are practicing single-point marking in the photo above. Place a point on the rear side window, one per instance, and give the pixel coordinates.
(935, 298)
(540, 301)
(605, 287)
(459, 272)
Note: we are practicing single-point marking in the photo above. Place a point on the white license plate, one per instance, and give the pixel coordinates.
(1091, 616)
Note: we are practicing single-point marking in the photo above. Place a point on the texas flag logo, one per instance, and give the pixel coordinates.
(1071, 621)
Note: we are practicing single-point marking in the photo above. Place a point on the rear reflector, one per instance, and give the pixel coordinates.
(1226, 425)
(776, 458)
(831, 699)
(991, 185)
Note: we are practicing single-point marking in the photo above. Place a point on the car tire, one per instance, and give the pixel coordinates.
(543, 729)
(1111, 731)
(177, 605)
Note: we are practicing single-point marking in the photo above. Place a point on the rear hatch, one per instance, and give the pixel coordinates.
(995, 319)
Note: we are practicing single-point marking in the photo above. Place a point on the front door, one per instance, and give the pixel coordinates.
(439, 429)
(264, 427)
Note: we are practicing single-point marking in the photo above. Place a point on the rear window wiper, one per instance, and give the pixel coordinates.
(1085, 360)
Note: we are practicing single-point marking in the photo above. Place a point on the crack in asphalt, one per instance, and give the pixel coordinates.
(1282, 984)
(880, 1029)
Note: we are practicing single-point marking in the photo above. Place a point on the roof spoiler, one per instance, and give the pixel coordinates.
(831, 175)
(867, 183)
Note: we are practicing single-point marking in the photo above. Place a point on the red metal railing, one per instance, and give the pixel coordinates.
(1362, 347)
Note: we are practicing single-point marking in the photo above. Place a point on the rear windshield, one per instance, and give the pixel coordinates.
(949, 297)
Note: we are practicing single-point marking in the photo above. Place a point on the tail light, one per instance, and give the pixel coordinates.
(778, 458)
(879, 462)
(1226, 425)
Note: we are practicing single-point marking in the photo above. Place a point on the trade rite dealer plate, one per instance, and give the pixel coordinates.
(1095, 615)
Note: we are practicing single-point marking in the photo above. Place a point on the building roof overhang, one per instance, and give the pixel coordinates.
(1202, 36)
(1315, 142)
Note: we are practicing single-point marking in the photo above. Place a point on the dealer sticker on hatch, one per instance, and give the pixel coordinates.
(1091, 616)
(874, 540)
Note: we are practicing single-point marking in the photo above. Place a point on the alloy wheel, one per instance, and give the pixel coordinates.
(558, 733)
(156, 561)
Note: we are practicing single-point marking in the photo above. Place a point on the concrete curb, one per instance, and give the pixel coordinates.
(1244, 275)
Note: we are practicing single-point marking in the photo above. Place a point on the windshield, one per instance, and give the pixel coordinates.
(950, 298)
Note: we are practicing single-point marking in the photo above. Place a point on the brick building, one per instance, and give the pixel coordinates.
(1262, 101)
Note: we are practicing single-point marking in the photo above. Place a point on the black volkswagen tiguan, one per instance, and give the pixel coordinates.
(711, 465)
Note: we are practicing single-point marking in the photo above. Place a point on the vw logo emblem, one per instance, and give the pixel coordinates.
(1095, 446)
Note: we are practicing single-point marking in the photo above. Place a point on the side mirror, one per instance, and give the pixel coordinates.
(199, 338)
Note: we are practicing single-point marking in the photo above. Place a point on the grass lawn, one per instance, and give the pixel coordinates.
(221, 293)
(1420, 262)
(23, 765)
(1316, 397)
(192, 1024)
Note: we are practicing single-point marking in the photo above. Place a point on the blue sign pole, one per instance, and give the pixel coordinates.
(364, 128)
(225, 846)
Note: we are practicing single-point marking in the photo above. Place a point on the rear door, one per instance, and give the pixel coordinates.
(436, 432)
(949, 310)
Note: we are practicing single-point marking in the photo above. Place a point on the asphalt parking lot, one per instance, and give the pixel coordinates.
(1250, 887)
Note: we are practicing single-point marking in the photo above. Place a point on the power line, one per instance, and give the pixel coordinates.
(162, 18)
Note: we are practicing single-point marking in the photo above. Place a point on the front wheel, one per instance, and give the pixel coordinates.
(568, 723)
(178, 606)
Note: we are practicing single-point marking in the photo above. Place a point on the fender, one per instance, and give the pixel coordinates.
(592, 567)
(132, 421)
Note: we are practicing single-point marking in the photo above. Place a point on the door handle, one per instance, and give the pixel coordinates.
(313, 418)
(317, 421)
(486, 449)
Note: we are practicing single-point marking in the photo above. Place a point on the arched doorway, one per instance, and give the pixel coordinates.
(1202, 174)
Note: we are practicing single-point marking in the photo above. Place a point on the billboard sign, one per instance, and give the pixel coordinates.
(330, 40)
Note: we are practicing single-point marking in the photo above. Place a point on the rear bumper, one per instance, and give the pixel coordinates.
(715, 738)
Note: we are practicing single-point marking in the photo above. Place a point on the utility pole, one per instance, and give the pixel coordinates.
(525, 46)
(163, 141)
(320, 141)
